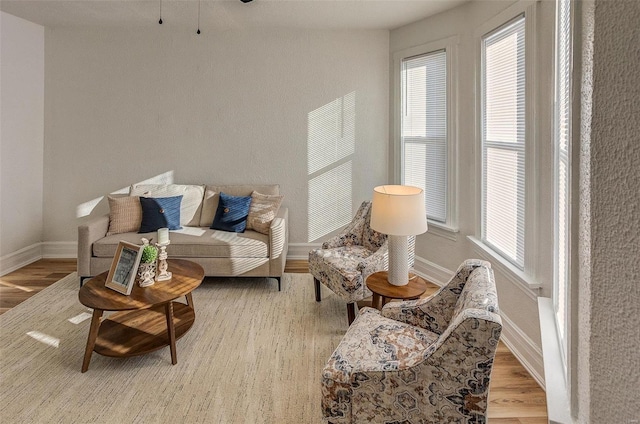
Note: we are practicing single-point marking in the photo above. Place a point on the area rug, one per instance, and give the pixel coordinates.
(253, 355)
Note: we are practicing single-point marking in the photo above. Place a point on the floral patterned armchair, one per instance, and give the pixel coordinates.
(346, 260)
(420, 361)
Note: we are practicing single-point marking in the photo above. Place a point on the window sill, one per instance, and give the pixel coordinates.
(554, 381)
(442, 230)
(516, 276)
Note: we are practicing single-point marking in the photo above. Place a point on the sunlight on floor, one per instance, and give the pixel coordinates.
(79, 318)
(44, 338)
(15, 286)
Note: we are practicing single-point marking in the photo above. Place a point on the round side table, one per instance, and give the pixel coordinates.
(383, 290)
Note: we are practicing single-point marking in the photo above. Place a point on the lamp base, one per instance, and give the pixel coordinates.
(398, 260)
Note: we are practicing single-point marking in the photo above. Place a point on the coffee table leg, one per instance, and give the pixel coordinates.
(91, 340)
(189, 300)
(172, 332)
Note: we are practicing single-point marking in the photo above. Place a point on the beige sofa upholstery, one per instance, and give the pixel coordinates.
(220, 253)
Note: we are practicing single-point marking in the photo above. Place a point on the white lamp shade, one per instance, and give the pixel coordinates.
(398, 210)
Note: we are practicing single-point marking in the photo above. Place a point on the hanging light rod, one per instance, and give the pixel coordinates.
(198, 31)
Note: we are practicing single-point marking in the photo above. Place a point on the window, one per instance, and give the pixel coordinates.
(503, 139)
(562, 134)
(424, 132)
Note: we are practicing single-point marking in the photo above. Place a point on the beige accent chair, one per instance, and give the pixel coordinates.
(419, 361)
(346, 260)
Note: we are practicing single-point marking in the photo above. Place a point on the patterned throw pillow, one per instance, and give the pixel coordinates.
(160, 212)
(231, 214)
(125, 214)
(264, 209)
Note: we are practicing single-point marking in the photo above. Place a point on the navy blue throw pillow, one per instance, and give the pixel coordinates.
(160, 212)
(232, 213)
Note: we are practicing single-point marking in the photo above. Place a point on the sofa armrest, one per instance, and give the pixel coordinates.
(279, 233)
(88, 233)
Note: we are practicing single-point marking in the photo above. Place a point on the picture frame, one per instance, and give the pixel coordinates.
(122, 274)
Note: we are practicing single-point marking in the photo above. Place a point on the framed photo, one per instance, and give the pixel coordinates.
(122, 274)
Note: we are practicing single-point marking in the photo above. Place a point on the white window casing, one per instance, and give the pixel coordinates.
(424, 129)
(504, 140)
(506, 135)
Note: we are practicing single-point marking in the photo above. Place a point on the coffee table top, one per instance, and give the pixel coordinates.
(377, 283)
(186, 277)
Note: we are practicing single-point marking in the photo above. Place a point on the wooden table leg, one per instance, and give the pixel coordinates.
(375, 301)
(171, 331)
(385, 300)
(190, 300)
(91, 340)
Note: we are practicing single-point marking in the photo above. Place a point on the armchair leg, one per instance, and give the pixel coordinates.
(317, 284)
(279, 283)
(351, 311)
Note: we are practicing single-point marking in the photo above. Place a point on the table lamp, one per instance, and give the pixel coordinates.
(399, 212)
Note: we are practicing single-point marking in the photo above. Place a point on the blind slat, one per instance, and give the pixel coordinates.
(424, 129)
(562, 169)
(503, 140)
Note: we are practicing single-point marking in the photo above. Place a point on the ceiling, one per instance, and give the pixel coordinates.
(228, 14)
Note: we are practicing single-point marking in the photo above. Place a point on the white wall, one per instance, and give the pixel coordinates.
(21, 135)
(609, 293)
(517, 302)
(125, 105)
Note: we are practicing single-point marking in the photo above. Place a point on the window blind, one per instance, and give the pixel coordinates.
(503, 140)
(424, 129)
(562, 164)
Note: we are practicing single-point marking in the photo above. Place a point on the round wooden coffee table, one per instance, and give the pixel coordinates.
(146, 320)
(383, 290)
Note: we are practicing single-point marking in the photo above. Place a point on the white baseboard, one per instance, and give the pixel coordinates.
(524, 349)
(60, 249)
(30, 254)
(432, 272)
(20, 258)
(298, 251)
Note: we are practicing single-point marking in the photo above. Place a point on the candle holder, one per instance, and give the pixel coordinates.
(162, 274)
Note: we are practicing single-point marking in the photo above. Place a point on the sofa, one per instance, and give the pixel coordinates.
(251, 253)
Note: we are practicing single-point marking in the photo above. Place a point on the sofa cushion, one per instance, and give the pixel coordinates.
(125, 214)
(232, 213)
(160, 212)
(195, 242)
(262, 211)
(191, 206)
(212, 197)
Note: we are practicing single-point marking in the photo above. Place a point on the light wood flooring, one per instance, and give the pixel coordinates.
(515, 397)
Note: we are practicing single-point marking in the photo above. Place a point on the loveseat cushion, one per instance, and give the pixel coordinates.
(195, 242)
(192, 195)
(212, 197)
